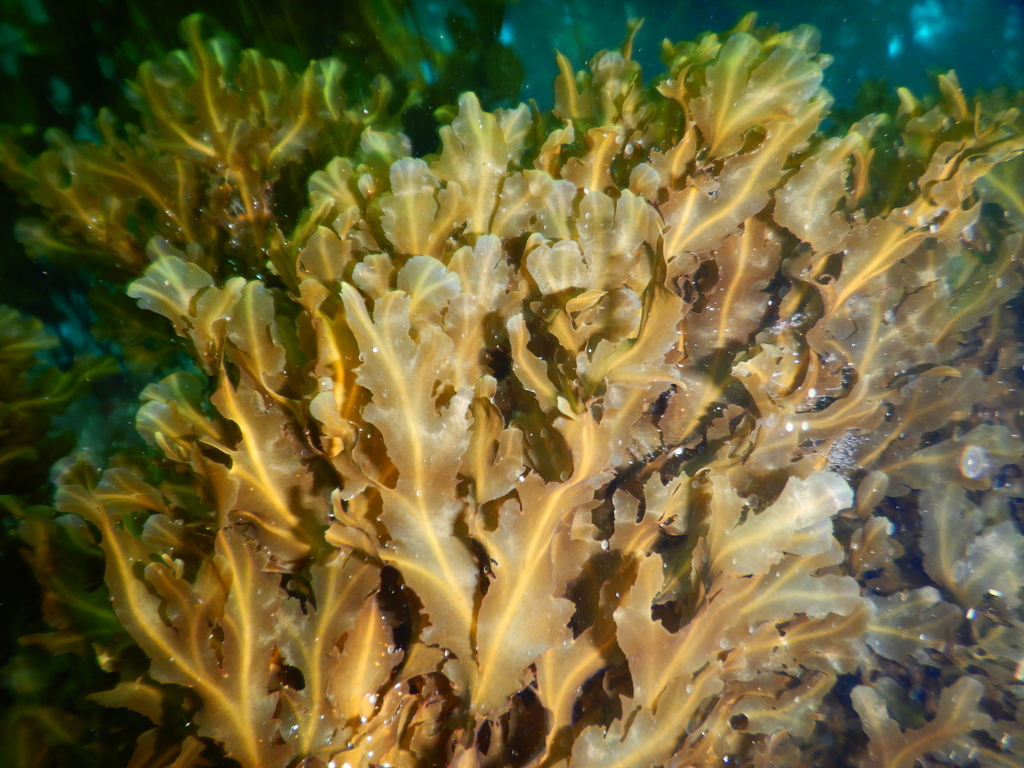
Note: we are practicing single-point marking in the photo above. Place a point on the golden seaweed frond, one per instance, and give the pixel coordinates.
(218, 127)
(585, 441)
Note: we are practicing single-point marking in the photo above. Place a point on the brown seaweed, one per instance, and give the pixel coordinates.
(595, 439)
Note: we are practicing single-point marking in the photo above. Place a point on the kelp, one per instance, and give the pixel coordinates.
(208, 173)
(44, 672)
(609, 437)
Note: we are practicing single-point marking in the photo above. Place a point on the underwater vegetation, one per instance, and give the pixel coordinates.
(676, 427)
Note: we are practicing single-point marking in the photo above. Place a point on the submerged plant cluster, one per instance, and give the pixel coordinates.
(666, 429)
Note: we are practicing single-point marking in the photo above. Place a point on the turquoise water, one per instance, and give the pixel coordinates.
(900, 40)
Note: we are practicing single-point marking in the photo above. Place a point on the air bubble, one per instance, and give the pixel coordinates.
(973, 461)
